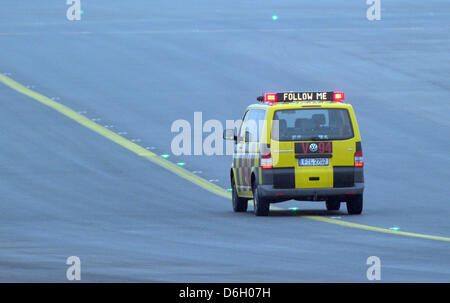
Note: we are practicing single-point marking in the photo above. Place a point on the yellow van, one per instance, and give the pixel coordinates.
(297, 145)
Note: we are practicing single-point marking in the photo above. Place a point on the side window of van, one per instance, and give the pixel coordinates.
(254, 125)
(240, 136)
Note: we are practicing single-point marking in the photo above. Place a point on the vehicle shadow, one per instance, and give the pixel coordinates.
(305, 212)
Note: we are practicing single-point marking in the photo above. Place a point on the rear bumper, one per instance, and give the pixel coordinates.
(309, 194)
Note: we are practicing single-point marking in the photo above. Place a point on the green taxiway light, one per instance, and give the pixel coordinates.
(180, 163)
(230, 189)
(165, 156)
(81, 12)
(294, 208)
(395, 228)
(274, 17)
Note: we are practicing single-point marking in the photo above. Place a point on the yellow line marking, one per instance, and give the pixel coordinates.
(377, 229)
(131, 146)
(182, 172)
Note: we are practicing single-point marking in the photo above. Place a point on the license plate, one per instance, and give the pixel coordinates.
(313, 162)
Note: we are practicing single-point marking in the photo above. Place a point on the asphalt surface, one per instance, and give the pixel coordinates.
(137, 66)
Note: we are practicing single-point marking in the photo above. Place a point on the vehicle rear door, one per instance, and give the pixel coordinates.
(312, 143)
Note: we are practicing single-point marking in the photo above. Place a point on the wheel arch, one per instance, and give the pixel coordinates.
(253, 179)
(232, 177)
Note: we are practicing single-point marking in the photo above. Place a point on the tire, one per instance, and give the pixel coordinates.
(239, 204)
(355, 205)
(261, 205)
(333, 204)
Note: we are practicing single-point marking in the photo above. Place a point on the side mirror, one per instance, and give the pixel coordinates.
(229, 134)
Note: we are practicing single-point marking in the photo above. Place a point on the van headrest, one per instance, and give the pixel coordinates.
(283, 124)
(300, 122)
(319, 118)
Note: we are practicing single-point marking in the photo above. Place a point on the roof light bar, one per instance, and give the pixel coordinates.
(302, 96)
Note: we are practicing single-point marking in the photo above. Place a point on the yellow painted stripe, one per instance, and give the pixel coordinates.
(377, 229)
(131, 146)
(139, 150)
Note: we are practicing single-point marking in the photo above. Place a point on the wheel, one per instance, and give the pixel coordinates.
(239, 204)
(261, 205)
(355, 205)
(333, 204)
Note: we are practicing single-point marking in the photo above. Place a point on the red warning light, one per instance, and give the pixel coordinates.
(338, 96)
(271, 97)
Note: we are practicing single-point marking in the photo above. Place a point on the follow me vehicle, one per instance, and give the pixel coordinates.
(297, 145)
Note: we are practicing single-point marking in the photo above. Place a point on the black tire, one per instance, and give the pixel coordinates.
(355, 205)
(261, 205)
(333, 204)
(239, 204)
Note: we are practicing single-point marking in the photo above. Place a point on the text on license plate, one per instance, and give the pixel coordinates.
(313, 162)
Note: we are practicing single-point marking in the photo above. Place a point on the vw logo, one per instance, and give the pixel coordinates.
(313, 147)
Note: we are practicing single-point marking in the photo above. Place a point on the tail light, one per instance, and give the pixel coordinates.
(359, 162)
(266, 157)
(266, 161)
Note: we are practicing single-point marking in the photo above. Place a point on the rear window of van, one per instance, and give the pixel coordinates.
(311, 124)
